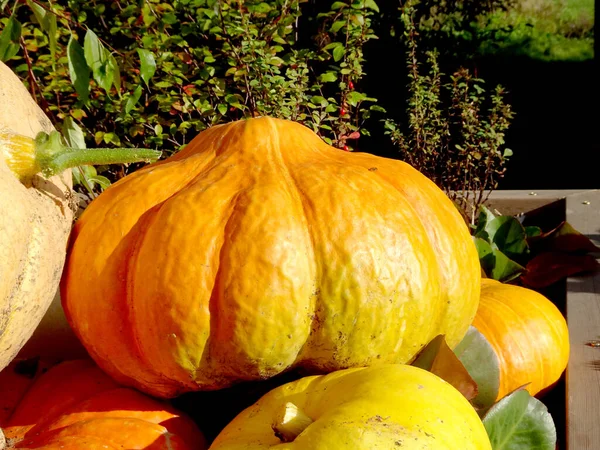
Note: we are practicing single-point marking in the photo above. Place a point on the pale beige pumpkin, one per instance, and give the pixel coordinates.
(36, 213)
(258, 248)
(528, 333)
(35, 222)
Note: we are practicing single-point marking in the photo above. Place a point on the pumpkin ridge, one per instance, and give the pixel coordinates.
(142, 226)
(358, 178)
(40, 440)
(210, 353)
(84, 367)
(434, 233)
(302, 200)
(210, 175)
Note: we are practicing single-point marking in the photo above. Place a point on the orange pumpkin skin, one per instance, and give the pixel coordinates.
(259, 247)
(76, 406)
(528, 333)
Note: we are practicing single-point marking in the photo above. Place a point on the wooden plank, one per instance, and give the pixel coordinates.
(511, 203)
(583, 316)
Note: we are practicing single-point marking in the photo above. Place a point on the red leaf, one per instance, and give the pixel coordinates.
(550, 267)
(564, 238)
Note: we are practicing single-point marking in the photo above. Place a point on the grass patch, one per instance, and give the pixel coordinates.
(550, 30)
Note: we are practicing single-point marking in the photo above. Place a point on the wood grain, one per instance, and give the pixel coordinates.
(583, 317)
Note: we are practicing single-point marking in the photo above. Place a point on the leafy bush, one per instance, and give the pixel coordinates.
(154, 73)
(449, 136)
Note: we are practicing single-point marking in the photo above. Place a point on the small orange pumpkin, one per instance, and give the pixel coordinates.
(75, 406)
(258, 248)
(528, 333)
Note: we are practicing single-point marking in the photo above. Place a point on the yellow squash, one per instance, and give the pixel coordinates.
(386, 407)
(259, 247)
(528, 333)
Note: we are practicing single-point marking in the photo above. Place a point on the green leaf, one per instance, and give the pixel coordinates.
(94, 51)
(377, 108)
(533, 231)
(222, 108)
(3, 4)
(78, 69)
(333, 45)
(371, 5)
(73, 133)
(337, 25)
(328, 77)
(116, 71)
(82, 175)
(353, 98)
(520, 422)
(320, 100)
(105, 73)
(261, 8)
(133, 99)
(9, 39)
(102, 181)
(495, 263)
(507, 233)
(52, 40)
(338, 52)
(148, 64)
(481, 361)
(483, 220)
(339, 5)
(39, 13)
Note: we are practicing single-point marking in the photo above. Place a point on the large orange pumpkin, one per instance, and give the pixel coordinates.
(528, 333)
(76, 406)
(259, 247)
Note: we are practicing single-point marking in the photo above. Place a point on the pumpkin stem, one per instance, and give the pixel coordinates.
(48, 155)
(2, 440)
(289, 422)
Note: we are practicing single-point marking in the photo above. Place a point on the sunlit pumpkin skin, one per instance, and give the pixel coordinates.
(528, 333)
(76, 406)
(259, 247)
(381, 407)
(35, 222)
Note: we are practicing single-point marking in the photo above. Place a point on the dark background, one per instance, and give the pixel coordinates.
(555, 132)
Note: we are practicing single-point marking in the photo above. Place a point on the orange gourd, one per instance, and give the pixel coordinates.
(76, 406)
(528, 333)
(258, 248)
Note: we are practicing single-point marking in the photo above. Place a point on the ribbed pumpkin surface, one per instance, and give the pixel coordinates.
(259, 247)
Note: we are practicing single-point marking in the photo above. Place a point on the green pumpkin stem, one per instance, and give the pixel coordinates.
(289, 422)
(49, 156)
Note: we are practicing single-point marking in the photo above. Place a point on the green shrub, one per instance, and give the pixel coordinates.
(154, 73)
(455, 131)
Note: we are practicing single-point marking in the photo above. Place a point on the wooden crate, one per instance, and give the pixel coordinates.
(581, 208)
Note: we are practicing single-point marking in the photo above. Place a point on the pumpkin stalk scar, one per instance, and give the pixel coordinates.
(46, 154)
(289, 422)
